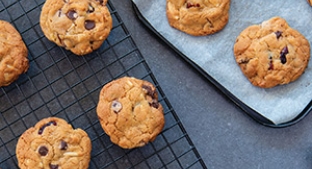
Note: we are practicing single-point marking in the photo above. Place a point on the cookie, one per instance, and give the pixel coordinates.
(310, 2)
(13, 54)
(197, 17)
(129, 112)
(53, 144)
(80, 26)
(272, 53)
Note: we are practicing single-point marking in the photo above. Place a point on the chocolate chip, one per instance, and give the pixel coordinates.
(46, 125)
(52, 122)
(271, 65)
(116, 106)
(152, 93)
(283, 54)
(43, 151)
(72, 14)
(154, 104)
(89, 24)
(63, 145)
(40, 130)
(53, 166)
(90, 9)
(284, 50)
(243, 61)
(190, 5)
(149, 90)
(278, 34)
(59, 13)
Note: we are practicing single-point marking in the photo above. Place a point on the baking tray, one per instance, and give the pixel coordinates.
(246, 108)
(61, 84)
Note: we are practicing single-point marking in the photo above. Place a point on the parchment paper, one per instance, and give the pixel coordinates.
(214, 53)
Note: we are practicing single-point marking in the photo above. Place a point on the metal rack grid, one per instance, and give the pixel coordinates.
(61, 84)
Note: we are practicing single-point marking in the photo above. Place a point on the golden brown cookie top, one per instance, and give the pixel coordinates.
(271, 53)
(198, 17)
(78, 25)
(129, 112)
(13, 54)
(53, 144)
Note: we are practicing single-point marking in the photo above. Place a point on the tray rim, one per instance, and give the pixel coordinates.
(248, 110)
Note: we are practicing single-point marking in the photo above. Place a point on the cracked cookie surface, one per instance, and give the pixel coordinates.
(53, 144)
(272, 53)
(13, 54)
(198, 17)
(80, 26)
(129, 112)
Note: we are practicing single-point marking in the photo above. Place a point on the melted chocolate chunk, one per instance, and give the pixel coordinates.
(154, 104)
(53, 166)
(150, 91)
(72, 14)
(190, 5)
(278, 34)
(283, 54)
(90, 9)
(116, 106)
(46, 125)
(64, 145)
(271, 67)
(89, 24)
(43, 151)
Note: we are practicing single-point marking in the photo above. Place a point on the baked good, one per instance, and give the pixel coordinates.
(52, 143)
(129, 112)
(271, 53)
(310, 2)
(80, 26)
(196, 17)
(13, 54)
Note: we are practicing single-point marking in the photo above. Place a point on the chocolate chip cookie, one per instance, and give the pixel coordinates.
(271, 53)
(198, 17)
(52, 143)
(80, 26)
(129, 112)
(13, 54)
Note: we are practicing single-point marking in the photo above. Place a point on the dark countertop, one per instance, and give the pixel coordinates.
(223, 134)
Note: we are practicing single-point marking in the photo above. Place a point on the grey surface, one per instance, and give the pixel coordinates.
(223, 134)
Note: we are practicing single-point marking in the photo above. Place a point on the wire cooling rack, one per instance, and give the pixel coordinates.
(61, 84)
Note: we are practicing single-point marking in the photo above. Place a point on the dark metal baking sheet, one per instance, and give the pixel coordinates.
(61, 84)
(247, 109)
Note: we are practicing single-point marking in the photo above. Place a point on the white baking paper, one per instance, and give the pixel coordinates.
(214, 53)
